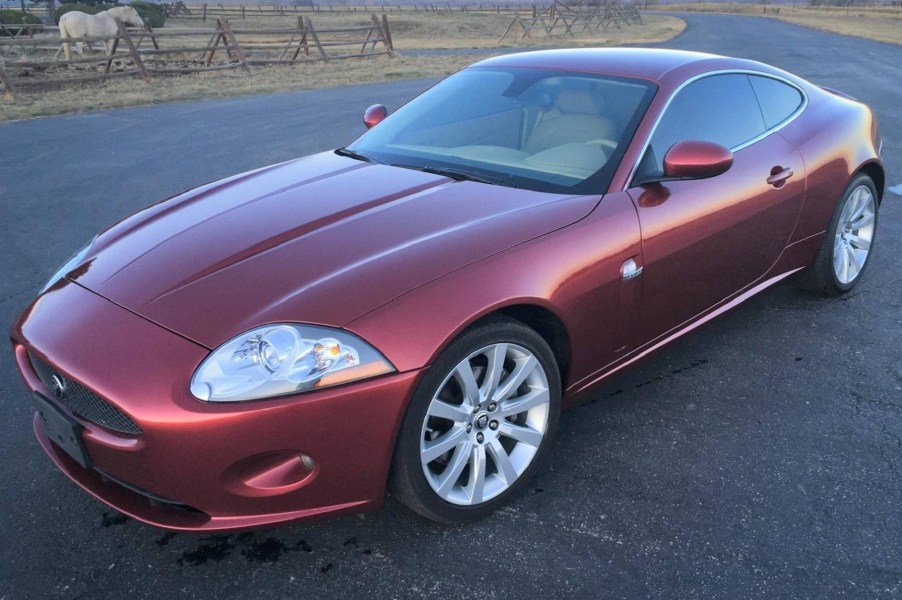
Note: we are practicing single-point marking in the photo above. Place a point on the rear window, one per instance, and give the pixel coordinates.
(778, 100)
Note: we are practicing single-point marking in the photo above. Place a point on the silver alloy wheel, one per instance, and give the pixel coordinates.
(485, 424)
(854, 234)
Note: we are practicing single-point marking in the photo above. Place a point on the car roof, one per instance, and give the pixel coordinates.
(645, 63)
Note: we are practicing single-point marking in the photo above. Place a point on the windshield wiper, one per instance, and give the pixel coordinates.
(356, 155)
(458, 174)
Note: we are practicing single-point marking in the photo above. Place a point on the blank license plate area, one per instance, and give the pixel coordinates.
(63, 430)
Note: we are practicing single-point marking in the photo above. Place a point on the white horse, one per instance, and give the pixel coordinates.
(75, 24)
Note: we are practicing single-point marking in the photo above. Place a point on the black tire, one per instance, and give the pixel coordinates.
(820, 276)
(408, 481)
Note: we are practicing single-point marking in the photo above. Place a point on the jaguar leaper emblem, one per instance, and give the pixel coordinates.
(58, 386)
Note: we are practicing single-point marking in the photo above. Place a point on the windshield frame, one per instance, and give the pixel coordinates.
(596, 183)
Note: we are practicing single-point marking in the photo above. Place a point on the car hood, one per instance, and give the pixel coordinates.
(323, 240)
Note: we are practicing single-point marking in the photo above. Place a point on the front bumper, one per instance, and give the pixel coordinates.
(200, 466)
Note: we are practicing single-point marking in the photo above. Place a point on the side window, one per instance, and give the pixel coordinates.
(777, 99)
(722, 109)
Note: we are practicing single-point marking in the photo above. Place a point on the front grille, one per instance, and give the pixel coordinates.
(83, 402)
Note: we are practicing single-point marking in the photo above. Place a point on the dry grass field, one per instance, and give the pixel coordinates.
(221, 84)
(440, 31)
(414, 31)
(880, 23)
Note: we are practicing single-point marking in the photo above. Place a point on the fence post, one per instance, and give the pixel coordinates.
(309, 26)
(153, 36)
(212, 44)
(8, 92)
(288, 45)
(205, 13)
(509, 27)
(109, 63)
(387, 33)
(369, 35)
(136, 56)
(233, 43)
(302, 45)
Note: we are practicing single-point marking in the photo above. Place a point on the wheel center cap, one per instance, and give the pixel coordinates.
(481, 421)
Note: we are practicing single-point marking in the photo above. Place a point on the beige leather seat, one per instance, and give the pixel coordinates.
(577, 120)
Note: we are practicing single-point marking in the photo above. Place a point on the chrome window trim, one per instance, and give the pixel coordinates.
(739, 147)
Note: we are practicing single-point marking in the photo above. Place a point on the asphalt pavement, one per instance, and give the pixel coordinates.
(756, 458)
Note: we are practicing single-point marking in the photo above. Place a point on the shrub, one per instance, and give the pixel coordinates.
(150, 13)
(64, 8)
(16, 17)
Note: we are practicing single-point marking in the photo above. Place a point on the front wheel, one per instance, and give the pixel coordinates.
(847, 246)
(479, 424)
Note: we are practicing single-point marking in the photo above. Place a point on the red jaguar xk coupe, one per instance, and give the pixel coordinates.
(414, 310)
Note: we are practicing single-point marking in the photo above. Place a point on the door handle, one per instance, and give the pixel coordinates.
(778, 176)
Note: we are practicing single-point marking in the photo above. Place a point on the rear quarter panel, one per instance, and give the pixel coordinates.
(836, 137)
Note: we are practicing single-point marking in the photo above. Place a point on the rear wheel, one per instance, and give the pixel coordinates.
(846, 249)
(479, 424)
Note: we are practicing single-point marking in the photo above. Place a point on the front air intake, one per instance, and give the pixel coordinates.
(82, 401)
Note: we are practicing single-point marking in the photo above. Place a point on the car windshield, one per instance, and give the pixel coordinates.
(538, 129)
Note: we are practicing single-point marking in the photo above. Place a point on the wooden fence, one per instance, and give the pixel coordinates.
(243, 11)
(147, 52)
(18, 29)
(213, 10)
(564, 19)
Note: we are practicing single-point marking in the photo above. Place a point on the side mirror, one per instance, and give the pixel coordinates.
(374, 115)
(696, 160)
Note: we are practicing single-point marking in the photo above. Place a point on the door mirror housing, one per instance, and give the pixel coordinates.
(374, 115)
(694, 159)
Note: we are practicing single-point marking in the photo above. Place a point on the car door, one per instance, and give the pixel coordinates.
(705, 240)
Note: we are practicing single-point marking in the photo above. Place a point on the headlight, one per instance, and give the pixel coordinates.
(285, 358)
(68, 266)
